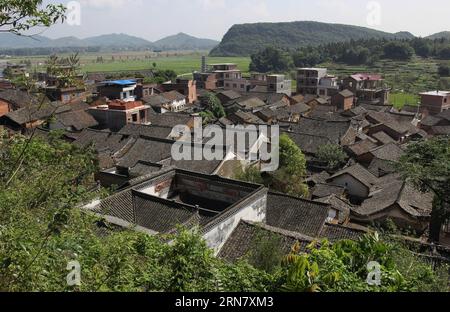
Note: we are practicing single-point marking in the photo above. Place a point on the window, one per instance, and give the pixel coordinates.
(235, 85)
(242, 86)
(142, 115)
(124, 95)
(134, 117)
(445, 100)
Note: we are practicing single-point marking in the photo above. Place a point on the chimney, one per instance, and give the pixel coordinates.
(203, 64)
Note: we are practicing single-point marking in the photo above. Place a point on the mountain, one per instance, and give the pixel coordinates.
(117, 40)
(245, 39)
(180, 41)
(443, 34)
(404, 35)
(8, 40)
(183, 41)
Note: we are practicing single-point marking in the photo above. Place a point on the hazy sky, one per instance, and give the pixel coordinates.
(154, 19)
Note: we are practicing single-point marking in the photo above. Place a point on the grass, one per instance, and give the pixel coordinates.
(401, 99)
(180, 62)
(411, 77)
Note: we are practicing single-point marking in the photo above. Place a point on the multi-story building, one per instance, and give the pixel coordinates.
(308, 80)
(123, 90)
(118, 113)
(328, 86)
(368, 88)
(434, 102)
(185, 86)
(270, 83)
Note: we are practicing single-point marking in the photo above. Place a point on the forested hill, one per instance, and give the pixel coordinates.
(246, 39)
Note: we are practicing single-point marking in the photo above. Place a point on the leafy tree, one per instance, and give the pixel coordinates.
(444, 53)
(342, 267)
(250, 174)
(332, 154)
(398, 50)
(444, 70)
(271, 60)
(18, 16)
(422, 47)
(291, 175)
(427, 165)
(266, 254)
(212, 103)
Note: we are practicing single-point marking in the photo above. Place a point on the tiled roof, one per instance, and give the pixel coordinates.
(440, 130)
(309, 143)
(156, 100)
(299, 108)
(149, 150)
(230, 94)
(383, 137)
(359, 173)
(379, 167)
(101, 140)
(18, 99)
(78, 120)
(430, 121)
(323, 190)
(333, 130)
(390, 152)
(150, 131)
(392, 190)
(247, 235)
(346, 93)
(295, 214)
(334, 233)
(339, 204)
(169, 119)
(173, 96)
(361, 147)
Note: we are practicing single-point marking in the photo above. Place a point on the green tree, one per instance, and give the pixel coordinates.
(250, 174)
(444, 70)
(398, 50)
(332, 154)
(212, 103)
(271, 60)
(18, 16)
(290, 178)
(427, 165)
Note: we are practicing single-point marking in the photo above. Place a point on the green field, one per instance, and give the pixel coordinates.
(401, 99)
(181, 63)
(411, 77)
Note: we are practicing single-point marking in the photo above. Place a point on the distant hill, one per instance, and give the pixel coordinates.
(183, 41)
(177, 42)
(245, 39)
(442, 34)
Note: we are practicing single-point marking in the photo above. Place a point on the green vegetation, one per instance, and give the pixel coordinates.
(22, 15)
(399, 100)
(213, 105)
(331, 154)
(289, 178)
(246, 39)
(427, 165)
(271, 60)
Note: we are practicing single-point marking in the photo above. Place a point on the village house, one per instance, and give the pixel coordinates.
(123, 90)
(308, 80)
(66, 94)
(343, 100)
(265, 83)
(368, 88)
(328, 86)
(116, 114)
(434, 102)
(177, 101)
(184, 86)
(12, 99)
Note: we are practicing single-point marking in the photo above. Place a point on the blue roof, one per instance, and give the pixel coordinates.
(120, 82)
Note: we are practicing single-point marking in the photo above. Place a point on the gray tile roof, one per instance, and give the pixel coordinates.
(333, 130)
(335, 233)
(150, 131)
(295, 214)
(359, 173)
(339, 204)
(390, 152)
(308, 143)
(323, 190)
(246, 236)
(391, 191)
(144, 149)
(169, 119)
(78, 120)
(103, 141)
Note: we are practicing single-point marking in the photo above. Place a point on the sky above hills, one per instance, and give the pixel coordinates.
(154, 19)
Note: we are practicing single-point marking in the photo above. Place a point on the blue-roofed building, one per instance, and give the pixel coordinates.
(118, 89)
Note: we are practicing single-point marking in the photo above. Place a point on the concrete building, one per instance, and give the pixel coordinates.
(117, 114)
(270, 83)
(123, 90)
(66, 95)
(368, 88)
(185, 86)
(308, 80)
(434, 102)
(328, 86)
